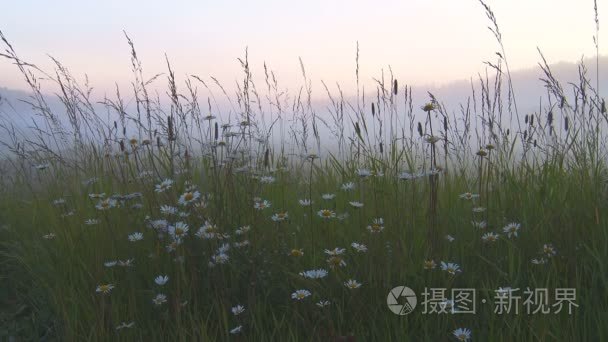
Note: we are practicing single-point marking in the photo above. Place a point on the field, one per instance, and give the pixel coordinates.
(178, 223)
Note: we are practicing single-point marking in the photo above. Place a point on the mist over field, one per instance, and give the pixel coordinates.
(317, 171)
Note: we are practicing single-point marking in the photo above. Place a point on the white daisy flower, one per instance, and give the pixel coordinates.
(161, 280)
(178, 231)
(322, 303)
(188, 197)
(489, 237)
(242, 230)
(511, 229)
(106, 204)
(462, 334)
(335, 251)
(468, 196)
(300, 294)
(359, 247)
(137, 236)
(356, 204)
(237, 310)
(479, 209)
(348, 186)
(451, 268)
(168, 210)
(540, 261)
(377, 226)
(236, 330)
(328, 197)
(364, 173)
(111, 263)
(267, 179)
(125, 325)
(479, 224)
(261, 205)
(160, 299)
(407, 176)
(549, 250)
(126, 263)
(104, 288)
(49, 236)
(91, 222)
(314, 274)
(305, 202)
(281, 216)
(326, 213)
(221, 258)
(450, 238)
(164, 185)
(352, 284)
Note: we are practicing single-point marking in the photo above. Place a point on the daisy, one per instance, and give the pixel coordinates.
(314, 274)
(241, 244)
(450, 238)
(549, 250)
(126, 263)
(364, 173)
(178, 231)
(242, 230)
(451, 268)
(356, 204)
(104, 288)
(59, 201)
(125, 325)
(348, 186)
(429, 264)
(237, 310)
(161, 280)
(479, 209)
(168, 210)
(91, 222)
(49, 236)
(221, 258)
(352, 284)
(322, 303)
(189, 197)
(489, 237)
(296, 252)
(377, 226)
(236, 330)
(479, 224)
(97, 196)
(42, 166)
(300, 294)
(106, 204)
(335, 262)
(469, 196)
(160, 299)
(267, 179)
(164, 185)
(511, 229)
(462, 334)
(281, 216)
(359, 247)
(328, 197)
(540, 261)
(110, 263)
(335, 251)
(305, 202)
(137, 236)
(326, 213)
(260, 205)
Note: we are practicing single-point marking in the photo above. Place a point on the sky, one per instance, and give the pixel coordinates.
(425, 42)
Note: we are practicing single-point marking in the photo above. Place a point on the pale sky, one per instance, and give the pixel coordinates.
(424, 41)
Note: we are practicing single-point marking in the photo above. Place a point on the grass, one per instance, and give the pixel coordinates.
(409, 167)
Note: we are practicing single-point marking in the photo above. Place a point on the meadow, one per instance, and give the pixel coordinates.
(180, 222)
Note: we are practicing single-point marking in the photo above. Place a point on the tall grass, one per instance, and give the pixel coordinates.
(421, 173)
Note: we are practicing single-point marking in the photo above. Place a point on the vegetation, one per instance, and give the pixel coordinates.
(181, 223)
